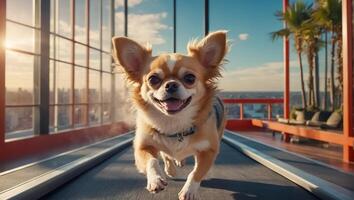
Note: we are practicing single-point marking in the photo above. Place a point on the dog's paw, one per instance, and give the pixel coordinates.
(189, 192)
(180, 163)
(156, 184)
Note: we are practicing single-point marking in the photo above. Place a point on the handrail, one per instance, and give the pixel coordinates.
(267, 101)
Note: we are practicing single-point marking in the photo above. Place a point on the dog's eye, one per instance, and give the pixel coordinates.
(189, 79)
(154, 80)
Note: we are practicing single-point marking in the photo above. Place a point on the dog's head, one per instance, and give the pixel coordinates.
(172, 83)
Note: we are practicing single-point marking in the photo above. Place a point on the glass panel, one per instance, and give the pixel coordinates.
(80, 54)
(106, 62)
(94, 59)
(154, 24)
(123, 106)
(80, 115)
(19, 82)
(106, 87)
(19, 37)
(20, 11)
(94, 86)
(95, 13)
(19, 122)
(51, 81)
(190, 22)
(80, 85)
(64, 23)
(119, 18)
(106, 113)
(257, 111)
(106, 25)
(80, 21)
(63, 49)
(51, 46)
(94, 114)
(63, 83)
(62, 118)
(52, 16)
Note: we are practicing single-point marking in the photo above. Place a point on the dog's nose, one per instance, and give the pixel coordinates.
(171, 87)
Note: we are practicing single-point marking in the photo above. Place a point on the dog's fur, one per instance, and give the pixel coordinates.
(155, 121)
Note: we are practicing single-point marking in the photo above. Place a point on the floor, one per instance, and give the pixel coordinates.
(234, 176)
(330, 154)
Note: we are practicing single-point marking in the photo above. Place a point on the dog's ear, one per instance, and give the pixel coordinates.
(131, 56)
(210, 51)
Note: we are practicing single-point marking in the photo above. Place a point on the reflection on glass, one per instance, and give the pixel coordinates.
(94, 59)
(63, 80)
(190, 17)
(63, 49)
(106, 112)
(19, 122)
(51, 82)
(62, 118)
(95, 13)
(19, 82)
(94, 86)
(64, 22)
(154, 24)
(80, 54)
(19, 37)
(106, 87)
(21, 11)
(94, 114)
(51, 46)
(106, 62)
(119, 18)
(80, 21)
(80, 115)
(80, 85)
(106, 25)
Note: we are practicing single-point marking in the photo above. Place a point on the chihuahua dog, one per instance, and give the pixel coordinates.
(178, 114)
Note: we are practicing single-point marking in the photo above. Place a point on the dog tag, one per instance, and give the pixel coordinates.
(180, 137)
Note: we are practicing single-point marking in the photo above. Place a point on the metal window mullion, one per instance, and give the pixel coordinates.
(126, 18)
(101, 74)
(87, 60)
(42, 17)
(73, 61)
(113, 87)
(174, 27)
(206, 17)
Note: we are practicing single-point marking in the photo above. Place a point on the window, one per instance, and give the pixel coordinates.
(80, 65)
(21, 64)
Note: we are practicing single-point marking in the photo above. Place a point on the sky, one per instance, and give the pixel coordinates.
(255, 61)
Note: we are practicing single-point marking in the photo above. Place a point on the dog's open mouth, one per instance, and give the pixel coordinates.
(173, 105)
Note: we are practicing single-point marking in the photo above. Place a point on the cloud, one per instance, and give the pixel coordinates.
(243, 36)
(131, 3)
(266, 77)
(146, 27)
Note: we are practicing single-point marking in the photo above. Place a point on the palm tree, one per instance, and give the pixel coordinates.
(329, 15)
(312, 44)
(295, 16)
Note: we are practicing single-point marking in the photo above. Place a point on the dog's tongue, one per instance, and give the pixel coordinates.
(172, 105)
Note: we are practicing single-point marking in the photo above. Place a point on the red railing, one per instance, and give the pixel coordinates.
(269, 102)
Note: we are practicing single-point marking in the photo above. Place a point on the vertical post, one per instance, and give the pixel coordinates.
(206, 17)
(174, 27)
(44, 67)
(269, 111)
(113, 86)
(2, 71)
(126, 18)
(347, 11)
(241, 111)
(286, 74)
(87, 13)
(73, 22)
